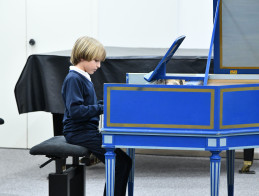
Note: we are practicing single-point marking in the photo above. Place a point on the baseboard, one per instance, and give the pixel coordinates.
(189, 153)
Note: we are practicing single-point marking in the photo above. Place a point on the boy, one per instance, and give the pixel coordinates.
(81, 117)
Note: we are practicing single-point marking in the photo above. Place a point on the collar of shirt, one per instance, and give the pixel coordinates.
(85, 74)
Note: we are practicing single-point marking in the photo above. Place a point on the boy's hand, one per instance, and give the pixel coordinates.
(100, 102)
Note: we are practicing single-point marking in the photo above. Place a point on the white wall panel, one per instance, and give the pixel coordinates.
(196, 22)
(56, 24)
(40, 127)
(134, 23)
(152, 23)
(13, 56)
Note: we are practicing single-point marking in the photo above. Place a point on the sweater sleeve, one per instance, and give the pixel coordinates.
(74, 101)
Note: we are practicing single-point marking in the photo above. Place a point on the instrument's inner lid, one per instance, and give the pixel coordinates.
(160, 70)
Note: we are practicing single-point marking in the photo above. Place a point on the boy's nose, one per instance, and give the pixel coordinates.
(98, 64)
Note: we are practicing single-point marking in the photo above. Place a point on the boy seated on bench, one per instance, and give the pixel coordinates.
(81, 116)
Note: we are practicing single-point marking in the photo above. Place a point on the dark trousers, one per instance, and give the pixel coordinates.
(249, 154)
(92, 140)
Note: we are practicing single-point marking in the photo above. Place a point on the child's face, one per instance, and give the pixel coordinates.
(90, 66)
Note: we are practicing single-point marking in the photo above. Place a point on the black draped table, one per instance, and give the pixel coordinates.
(39, 85)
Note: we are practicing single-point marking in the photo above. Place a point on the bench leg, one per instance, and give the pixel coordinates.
(59, 185)
(77, 183)
(71, 182)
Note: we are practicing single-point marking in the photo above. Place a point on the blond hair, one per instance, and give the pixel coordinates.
(87, 48)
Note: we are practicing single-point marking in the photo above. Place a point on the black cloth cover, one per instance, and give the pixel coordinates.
(58, 147)
(39, 85)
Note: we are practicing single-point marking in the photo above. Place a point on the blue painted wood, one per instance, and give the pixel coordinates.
(217, 42)
(153, 141)
(230, 171)
(121, 98)
(217, 109)
(218, 143)
(214, 172)
(239, 107)
(211, 45)
(225, 134)
(110, 171)
(144, 109)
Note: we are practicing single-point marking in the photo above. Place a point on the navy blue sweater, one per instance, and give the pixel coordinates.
(81, 108)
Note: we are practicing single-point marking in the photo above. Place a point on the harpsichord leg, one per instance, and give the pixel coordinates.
(214, 172)
(131, 153)
(110, 171)
(230, 171)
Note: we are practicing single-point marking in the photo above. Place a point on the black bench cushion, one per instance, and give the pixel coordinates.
(58, 147)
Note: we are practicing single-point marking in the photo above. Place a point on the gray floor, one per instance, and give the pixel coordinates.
(154, 176)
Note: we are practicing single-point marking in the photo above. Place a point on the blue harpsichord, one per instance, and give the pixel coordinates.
(210, 112)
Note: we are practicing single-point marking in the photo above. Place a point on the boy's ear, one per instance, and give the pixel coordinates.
(82, 60)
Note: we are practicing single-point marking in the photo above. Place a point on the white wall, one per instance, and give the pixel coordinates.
(56, 24)
(156, 24)
(13, 56)
(196, 22)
